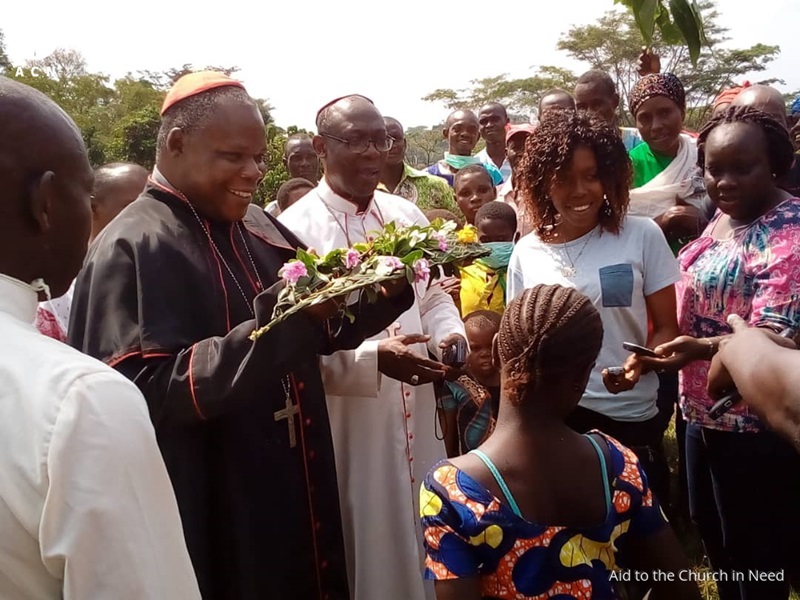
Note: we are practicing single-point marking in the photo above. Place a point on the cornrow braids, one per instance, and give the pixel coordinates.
(779, 143)
(549, 331)
(548, 152)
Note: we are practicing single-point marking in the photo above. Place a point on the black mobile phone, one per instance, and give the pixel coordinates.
(639, 350)
(731, 399)
(455, 355)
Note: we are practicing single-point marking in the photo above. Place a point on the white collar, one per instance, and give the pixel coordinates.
(18, 299)
(336, 202)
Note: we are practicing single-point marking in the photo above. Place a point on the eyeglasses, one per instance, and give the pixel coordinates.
(361, 146)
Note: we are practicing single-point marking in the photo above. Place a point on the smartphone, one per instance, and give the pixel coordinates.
(724, 404)
(639, 350)
(455, 355)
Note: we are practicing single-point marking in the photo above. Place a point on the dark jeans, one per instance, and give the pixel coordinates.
(645, 438)
(667, 403)
(744, 495)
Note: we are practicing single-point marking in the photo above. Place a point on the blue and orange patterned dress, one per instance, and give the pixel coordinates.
(469, 532)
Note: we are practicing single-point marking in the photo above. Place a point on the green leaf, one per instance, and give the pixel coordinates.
(307, 259)
(410, 275)
(687, 19)
(644, 11)
(412, 257)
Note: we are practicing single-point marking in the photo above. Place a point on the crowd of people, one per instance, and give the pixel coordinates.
(152, 449)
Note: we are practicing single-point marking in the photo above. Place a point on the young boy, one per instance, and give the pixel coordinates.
(473, 188)
(470, 403)
(483, 283)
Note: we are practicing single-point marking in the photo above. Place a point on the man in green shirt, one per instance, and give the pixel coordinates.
(398, 177)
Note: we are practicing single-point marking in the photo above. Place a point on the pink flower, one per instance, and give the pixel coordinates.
(388, 265)
(442, 239)
(292, 271)
(393, 262)
(352, 258)
(422, 271)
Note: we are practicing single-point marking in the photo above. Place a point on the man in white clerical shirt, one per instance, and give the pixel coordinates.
(86, 507)
(380, 396)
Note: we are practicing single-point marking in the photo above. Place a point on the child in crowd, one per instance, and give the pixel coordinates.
(473, 187)
(483, 283)
(539, 510)
(291, 191)
(470, 403)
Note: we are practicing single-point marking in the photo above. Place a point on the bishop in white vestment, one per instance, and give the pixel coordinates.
(385, 432)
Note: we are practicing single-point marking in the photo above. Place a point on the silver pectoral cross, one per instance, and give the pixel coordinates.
(288, 413)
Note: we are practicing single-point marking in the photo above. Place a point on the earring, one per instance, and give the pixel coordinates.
(607, 207)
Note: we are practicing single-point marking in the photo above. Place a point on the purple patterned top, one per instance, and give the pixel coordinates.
(755, 275)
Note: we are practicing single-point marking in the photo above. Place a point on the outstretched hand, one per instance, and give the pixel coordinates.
(676, 354)
(398, 361)
(720, 381)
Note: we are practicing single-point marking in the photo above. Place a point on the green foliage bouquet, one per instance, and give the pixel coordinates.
(395, 252)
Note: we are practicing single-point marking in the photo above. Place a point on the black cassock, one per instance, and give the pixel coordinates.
(255, 482)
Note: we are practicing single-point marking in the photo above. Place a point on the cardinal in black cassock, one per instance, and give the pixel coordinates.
(169, 294)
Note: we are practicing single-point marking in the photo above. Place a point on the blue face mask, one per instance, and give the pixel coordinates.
(459, 162)
(501, 254)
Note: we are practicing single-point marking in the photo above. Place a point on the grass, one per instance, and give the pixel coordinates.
(687, 533)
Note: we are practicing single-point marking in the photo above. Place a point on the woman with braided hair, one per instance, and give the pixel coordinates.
(577, 168)
(744, 481)
(538, 509)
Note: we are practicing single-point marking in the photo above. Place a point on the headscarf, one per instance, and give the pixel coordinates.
(729, 95)
(657, 84)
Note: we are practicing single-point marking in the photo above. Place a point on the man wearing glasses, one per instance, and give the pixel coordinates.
(380, 396)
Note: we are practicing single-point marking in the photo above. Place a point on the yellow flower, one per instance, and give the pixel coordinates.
(468, 235)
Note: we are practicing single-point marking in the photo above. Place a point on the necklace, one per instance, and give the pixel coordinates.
(290, 409)
(225, 262)
(571, 270)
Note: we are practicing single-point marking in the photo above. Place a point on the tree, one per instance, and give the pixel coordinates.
(614, 43)
(5, 62)
(424, 146)
(520, 96)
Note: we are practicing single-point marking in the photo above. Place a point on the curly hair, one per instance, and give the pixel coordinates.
(547, 332)
(779, 143)
(548, 153)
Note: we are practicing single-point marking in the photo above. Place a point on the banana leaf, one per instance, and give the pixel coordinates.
(679, 21)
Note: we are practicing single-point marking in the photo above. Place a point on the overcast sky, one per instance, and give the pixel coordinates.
(301, 53)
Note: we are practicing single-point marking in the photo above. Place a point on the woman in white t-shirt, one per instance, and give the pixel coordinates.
(574, 179)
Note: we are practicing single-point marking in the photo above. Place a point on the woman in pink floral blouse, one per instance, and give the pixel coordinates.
(744, 481)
